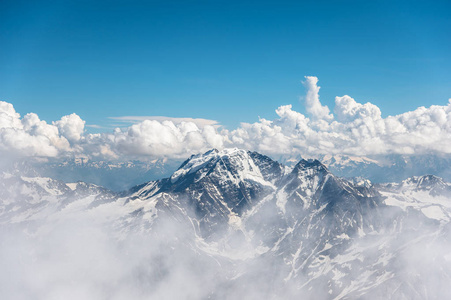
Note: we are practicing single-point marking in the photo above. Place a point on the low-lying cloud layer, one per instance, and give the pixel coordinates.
(353, 129)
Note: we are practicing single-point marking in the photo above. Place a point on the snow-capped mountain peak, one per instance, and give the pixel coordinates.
(342, 161)
(312, 164)
(229, 165)
(425, 182)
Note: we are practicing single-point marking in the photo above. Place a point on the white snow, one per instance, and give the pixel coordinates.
(435, 212)
(72, 186)
(44, 183)
(281, 201)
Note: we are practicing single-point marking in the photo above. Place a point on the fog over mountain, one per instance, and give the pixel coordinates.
(227, 224)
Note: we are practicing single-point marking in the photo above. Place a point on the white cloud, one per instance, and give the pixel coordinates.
(347, 109)
(355, 129)
(312, 103)
(8, 116)
(137, 119)
(71, 126)
(154, 138)
(28, 136)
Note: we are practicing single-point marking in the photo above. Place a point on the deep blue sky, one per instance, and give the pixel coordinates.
(230, 61)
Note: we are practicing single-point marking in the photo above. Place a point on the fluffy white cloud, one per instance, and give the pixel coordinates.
(71, 127)
(154, 138)
(312, 103)
(8, 116)
(28, 136)
(347, 109)
(354, 129)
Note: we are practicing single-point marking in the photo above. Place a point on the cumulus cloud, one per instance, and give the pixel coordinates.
(347, 109)
(353, 129)
(153, 138)
(71, 126)
(312, 103)
(29, 136)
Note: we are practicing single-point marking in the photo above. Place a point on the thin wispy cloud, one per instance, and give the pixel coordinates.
(137, 119)
(95, 126)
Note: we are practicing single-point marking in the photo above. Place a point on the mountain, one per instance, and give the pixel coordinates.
(236, 224)
(353, 166)
(28, 199)
(219, 185)
(113, 175)
(429, 194)
(389, 168)
(118, 176)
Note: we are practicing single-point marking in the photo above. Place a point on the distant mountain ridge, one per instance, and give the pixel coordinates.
(114, 175)
(122, 175)
(388, 168)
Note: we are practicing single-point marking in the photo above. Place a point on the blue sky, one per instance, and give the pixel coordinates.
(229, 61)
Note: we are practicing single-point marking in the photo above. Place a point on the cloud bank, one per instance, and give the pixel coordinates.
(353, 129)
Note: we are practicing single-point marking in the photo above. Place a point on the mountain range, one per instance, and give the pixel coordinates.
(231, 224)
(122, 175)
(394, 167)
